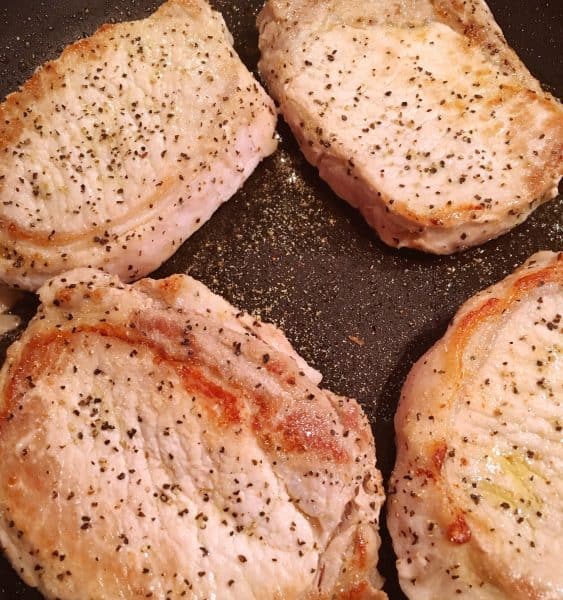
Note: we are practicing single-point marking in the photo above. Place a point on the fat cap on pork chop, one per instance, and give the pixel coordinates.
(476, 497)
(116, 152)
(155, 440)
(417, 113)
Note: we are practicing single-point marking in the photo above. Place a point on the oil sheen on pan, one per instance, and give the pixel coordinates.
(288, 249)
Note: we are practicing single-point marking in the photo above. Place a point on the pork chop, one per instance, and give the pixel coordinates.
(116, 152)
(476, 498)
(416, 112)
(154, 440)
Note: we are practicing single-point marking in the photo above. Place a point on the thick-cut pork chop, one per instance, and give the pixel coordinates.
(476, 498)
(416, 112)
(115, 153)
(155, 442)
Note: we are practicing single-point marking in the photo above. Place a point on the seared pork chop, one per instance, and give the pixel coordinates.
(154, 440)
(417, 113)
(116, 152)
(476, 498)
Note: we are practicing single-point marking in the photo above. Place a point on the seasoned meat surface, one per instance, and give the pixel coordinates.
(116, 152)
(476, 498)
(417, 112)
(155, 440)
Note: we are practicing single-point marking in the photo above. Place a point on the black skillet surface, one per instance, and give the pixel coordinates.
(286, 248)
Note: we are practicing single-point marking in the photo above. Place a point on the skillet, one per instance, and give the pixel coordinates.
(288, 249)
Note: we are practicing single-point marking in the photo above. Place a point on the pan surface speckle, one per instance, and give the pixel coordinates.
(288, 249)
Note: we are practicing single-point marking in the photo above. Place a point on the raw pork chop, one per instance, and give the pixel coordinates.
(153, 440)
(114, 154)
(416, 112)
(476, 504)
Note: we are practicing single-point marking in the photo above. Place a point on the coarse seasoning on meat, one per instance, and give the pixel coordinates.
(156, 442)
(116, 152)
(417, 113)
(476, 498)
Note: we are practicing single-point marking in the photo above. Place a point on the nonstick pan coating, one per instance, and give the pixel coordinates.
(288, 249)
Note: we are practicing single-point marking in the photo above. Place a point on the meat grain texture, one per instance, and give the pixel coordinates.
(156, 442)
(476, 497)
(417, 113)
(116, 152)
